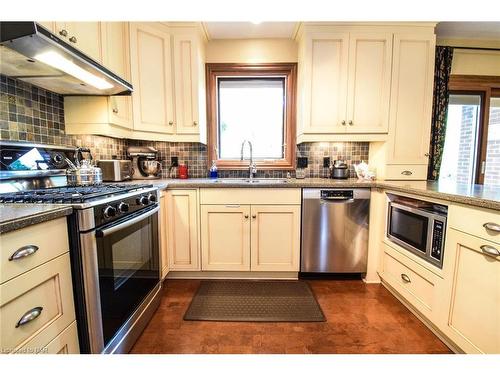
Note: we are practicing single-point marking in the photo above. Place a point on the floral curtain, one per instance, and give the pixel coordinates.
(442, 71)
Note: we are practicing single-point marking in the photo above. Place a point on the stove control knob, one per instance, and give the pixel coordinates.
(143, 200)
(109, 211)
(123, 207)
(152, 198)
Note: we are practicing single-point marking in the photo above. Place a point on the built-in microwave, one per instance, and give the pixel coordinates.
(418, 227)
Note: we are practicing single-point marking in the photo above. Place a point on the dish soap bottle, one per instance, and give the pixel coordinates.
(213, 170)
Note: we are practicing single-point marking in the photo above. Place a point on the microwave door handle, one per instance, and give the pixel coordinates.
(107, 231)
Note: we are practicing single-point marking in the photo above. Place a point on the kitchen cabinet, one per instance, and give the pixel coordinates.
(85, 36)
(275, 237)
(36, 288)
(344, 83)
(250, 229)
(411, 106)
(225, 237)
(182, 230)
(163, 220)
(152, 78)
(49, 25)
(472, 319)
(105, 115)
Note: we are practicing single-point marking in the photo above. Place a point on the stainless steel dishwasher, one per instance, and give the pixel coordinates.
(334, 230)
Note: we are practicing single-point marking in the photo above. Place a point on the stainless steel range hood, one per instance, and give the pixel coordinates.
(31, 53)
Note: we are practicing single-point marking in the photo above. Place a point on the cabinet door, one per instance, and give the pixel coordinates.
(225, 237)
(275, 238)
(182, 233)
(473, 319)
(411, 99)
(151, 67)
(370, 56)
(186, 84)
(86, 36)
(325, 59)
(49, 25)
(163, 234)
(116, 57)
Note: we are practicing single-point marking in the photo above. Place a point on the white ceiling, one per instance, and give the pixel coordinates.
(468, 30)
(249, 30)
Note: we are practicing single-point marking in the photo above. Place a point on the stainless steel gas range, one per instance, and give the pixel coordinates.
(113, 239)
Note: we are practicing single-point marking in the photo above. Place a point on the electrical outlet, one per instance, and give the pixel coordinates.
(326, 162)
(174, 161)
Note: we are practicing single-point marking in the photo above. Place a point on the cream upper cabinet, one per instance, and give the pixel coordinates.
(151, 65)
(473, 293)
(324, 82)
(186, 59)
(182, 230)
(49, 25)
(369, 82)
(345, 81)
(85, 36)
(225, 237)
(163, 234)
(411, 99)
(275, 238)
(116, 57)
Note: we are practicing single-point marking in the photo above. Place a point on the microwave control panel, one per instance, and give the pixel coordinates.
(437, 240)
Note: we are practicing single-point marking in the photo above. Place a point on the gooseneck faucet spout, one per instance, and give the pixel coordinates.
(252, 169)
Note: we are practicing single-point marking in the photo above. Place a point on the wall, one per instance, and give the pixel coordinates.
(32, 114)
(476, 62)
(251, 51)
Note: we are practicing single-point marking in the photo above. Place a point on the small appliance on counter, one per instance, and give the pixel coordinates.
(339, 170)
(115, 170)
(183, 171)
(301, 170)
(145, 164)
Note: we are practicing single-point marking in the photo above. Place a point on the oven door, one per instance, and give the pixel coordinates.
(409, 228)
(128, 267)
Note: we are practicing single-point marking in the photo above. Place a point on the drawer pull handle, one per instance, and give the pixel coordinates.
(246, 216)
(232, 205)
(72, 39)
(492, 226)
(407, 173)
(29, 316)
(254, 216)
(63, 33)
(490, 250)
(23, 252)
(405, 278)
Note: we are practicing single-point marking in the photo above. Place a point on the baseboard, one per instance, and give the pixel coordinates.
(246, 275)
(424, 320)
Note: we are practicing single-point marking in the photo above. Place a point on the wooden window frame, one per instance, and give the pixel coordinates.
(486, 87)
(287, 70)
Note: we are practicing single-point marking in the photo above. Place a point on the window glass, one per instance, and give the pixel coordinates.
(251, 109)
(492, 166)
(459, 154)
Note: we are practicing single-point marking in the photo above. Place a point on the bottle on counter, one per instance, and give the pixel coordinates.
(213, 170)
(183, 171)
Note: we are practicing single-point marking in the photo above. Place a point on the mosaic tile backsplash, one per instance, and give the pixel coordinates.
(32, 114)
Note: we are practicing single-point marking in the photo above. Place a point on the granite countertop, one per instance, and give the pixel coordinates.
(16, 216)
(474, 195)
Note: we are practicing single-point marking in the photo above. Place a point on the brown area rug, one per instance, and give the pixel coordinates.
(254, 301)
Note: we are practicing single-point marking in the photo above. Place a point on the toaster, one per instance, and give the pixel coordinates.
(115, 170)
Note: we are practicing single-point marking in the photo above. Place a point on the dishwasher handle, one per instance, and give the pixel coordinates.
(337, 199)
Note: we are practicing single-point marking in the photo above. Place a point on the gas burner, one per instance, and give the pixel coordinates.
(67, 194)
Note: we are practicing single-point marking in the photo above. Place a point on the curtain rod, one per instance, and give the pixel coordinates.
(478, 48)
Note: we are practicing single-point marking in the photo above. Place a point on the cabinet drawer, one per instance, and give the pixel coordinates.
(408, 278)
(51, 239)
(48, 287)
(250, 196)
(473, 221)
(65, 342)
(406, 172)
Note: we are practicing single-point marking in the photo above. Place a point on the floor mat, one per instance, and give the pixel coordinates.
(255, 301)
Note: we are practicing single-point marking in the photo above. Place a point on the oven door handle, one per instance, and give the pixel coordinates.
(107, 231)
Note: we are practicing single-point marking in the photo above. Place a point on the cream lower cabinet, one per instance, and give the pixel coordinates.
(225, 237)
(250, 237)
(472, 319)
(163, 235)
(275, 237)
(182, 230)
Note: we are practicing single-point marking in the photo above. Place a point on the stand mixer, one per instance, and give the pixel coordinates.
(145, 164)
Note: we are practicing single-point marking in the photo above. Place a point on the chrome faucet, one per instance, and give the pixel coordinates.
(252, 168)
